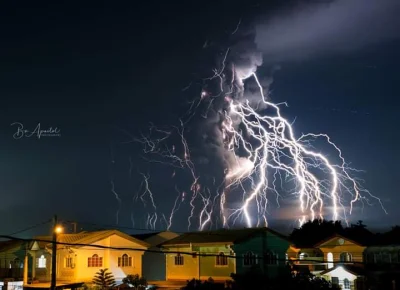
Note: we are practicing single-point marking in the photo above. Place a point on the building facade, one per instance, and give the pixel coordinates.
(219, 254)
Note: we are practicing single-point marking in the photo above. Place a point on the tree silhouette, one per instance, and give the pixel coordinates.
(315, 231)
(104, 279)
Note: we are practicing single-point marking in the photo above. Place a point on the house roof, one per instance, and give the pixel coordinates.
(88, 238)
(336, 236)
(8, 245)
(145, 236)
(219, 236)
(352, 269)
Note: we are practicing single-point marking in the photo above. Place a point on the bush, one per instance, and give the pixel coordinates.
(136, 281)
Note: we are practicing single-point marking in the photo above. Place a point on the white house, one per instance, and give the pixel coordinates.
(83, 254)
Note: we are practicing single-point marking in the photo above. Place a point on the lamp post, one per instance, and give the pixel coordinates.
(56, 230)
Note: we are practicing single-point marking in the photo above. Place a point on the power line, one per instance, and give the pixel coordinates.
(29, 228)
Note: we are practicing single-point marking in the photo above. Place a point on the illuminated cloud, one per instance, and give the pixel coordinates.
(324, 28)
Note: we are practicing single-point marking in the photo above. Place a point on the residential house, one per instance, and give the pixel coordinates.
(12, 257)
(153, 263)
(218, 254)
(344, 261)
(83, 254)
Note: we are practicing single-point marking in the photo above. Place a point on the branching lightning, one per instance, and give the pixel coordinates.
(263, 155)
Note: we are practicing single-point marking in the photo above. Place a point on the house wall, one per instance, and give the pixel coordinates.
(110, 259)
(341, 274)
(260, 244)
(153, 268)
(208, 264)
(41, 274)
(187, 271)
(332, 246)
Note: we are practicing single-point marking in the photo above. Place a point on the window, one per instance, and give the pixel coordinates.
(330, 260)
(41, 262)
(345, 257)
(303, 256)
(270, 258)
(346, 283)
(249, 259)
(69, 262)
(335, 280)
(125, 261)
(221, 260)
(95, 261)
(179, 260)
(17, 263)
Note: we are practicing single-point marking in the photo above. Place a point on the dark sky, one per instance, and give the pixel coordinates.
(94, 70)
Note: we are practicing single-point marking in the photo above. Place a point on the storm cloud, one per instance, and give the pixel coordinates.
(324, 28)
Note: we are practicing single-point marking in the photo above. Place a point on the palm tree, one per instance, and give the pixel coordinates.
(104, 279)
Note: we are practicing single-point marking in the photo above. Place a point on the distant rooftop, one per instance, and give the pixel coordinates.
(220, 236)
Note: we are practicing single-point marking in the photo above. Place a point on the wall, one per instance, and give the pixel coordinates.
(341, 274)
(259, 244)
(83, 273)
(153, 268)
(208, 267)
(336, 249)
(187, 271)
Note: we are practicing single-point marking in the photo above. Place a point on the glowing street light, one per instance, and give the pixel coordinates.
(58, 229)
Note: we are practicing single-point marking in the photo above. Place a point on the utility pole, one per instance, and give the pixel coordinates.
(54, 255)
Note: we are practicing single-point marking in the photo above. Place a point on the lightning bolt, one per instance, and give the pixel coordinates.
(118, 199)
(264, 157)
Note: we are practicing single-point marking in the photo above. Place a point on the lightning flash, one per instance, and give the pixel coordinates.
(263, 157)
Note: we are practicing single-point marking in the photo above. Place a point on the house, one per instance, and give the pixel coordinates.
(347, 276)
(153, 263)
(338, 259)
(12, 257)
(81, 255)
(218, 254)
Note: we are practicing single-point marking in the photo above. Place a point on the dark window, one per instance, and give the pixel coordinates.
(179, 260)
(249, 259)
(221, 260)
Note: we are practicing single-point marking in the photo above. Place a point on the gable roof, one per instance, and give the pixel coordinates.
(319, 244)
(88, 238)
(144, 237)
(352, 269)
(233, 236)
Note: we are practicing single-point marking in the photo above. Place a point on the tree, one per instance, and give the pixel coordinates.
(136, 281)
(315, 231)
(104, 279)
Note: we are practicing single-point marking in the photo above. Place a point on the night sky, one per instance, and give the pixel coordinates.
(101, 71)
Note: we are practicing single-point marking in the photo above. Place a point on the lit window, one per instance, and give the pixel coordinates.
(346, 283)
(249, 259)
(125, 261)
(330, 260)
(179, 260)
(41, 262)
(95, 261)
(302, 256)
(221, 260)
(69, 263)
